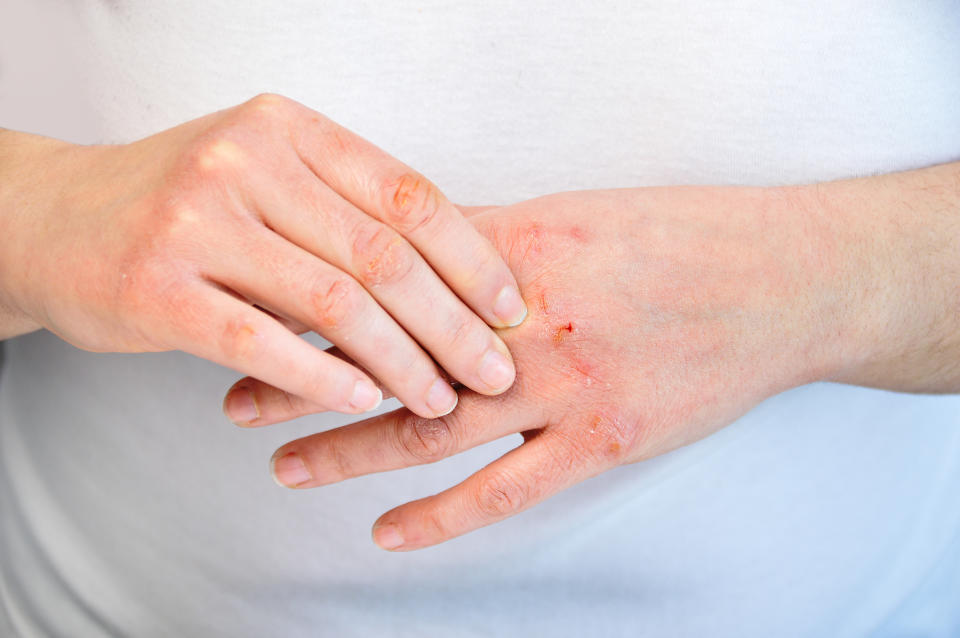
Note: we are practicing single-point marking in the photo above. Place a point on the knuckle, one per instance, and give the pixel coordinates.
(175, 221)
(380, 255)
(425, 440)
(268, 105)
(411, 202)
(239, 339)
(335, 302)
(605, 441)
(215, 156)
(434, 524)
(498, 494)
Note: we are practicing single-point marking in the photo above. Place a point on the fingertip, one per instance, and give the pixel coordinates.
(387, 536)
(366, 396)
(509, 307)
(497, 372)
(240, 405)
(289, 470)
(441, 399)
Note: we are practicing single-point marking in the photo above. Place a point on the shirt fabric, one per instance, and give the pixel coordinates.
(129, 506)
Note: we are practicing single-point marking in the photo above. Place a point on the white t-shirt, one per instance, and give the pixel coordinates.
(129, 506)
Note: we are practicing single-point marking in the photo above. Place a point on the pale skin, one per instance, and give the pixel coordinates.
(658, 316)
(225, 236)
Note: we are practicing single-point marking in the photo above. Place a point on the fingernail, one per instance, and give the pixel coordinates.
(509, 307)
(496, 371)
(289, 470)
(366, 396)
(441, 398)
(387, 536)
(240, 406)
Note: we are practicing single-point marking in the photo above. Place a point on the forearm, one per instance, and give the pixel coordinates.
(26, 183)
(898, 248)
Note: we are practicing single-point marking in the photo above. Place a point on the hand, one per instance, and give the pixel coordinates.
(657, 316)
(225, 235)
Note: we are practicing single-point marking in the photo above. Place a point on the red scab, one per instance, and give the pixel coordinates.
(577, 233)
(561, 332)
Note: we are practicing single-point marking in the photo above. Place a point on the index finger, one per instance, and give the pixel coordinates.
(402, 198)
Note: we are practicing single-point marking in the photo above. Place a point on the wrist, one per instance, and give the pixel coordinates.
(29, 188)
(895, 253)
(808, 296)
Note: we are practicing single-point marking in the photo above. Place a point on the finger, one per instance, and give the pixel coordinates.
(335, 306)
(276, 405)
(221, 328)
(249, 403)
(398, 439)
(525, 476)
(314, 217)
(397, 195)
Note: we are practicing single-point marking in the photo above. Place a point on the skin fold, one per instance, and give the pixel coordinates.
(218, 235)
(658, 316)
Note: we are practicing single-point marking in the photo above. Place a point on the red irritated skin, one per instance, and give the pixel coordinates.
(657, 316)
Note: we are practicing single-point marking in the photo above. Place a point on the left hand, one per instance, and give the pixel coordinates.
(657, 316)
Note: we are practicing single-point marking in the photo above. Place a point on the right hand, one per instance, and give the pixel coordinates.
(225, 236)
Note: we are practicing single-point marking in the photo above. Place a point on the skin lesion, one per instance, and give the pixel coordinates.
(334, 305)
(541, 304)
(408, 186)
(609, 438)
(578, 234)
(414, 203)
(526, 241)
(585, 371)
(562, 332)
(239, 340)
(387, 265)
